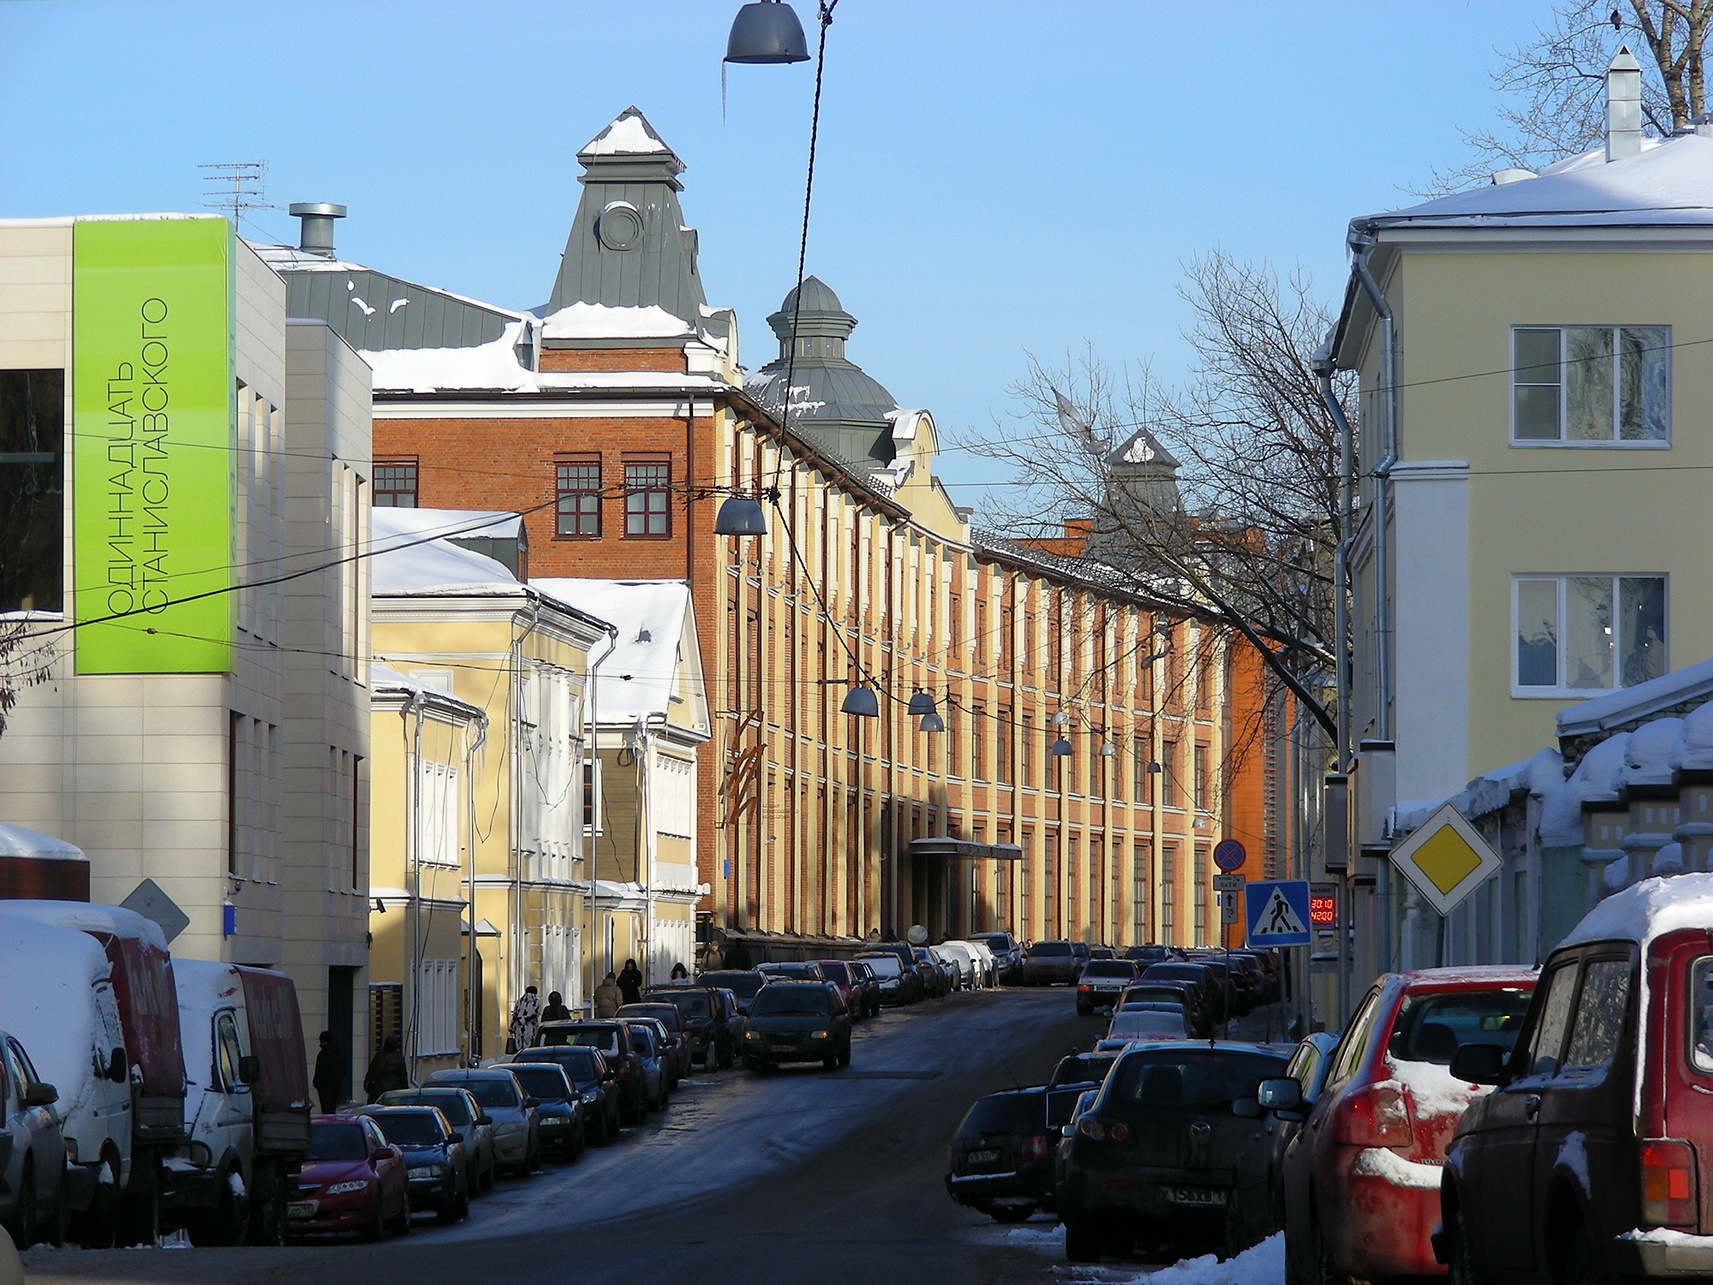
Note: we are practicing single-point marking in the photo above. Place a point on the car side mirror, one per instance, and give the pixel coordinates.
(1283, 1094)
(1478, 1063)
(386, 1153)
(1248, 1108)
(484, 1118)
(532, 1102)
(1068, 1131)
(250, 1069)
(116, 1070)
(40, 1095)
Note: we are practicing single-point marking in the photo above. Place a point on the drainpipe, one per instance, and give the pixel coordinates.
(1360, 244)
(1323, 368)
(414, 706)
(593, 689)
(514, 856)
(472, 1052)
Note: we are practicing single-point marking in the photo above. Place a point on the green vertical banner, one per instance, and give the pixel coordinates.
(152, 409)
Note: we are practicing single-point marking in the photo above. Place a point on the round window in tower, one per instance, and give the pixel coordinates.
(619, 226)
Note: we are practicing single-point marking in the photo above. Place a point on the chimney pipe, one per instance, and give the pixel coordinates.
(317, 217)
(1623, 106)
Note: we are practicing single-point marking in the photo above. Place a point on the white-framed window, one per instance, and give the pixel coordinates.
(676, 805)
(1590, 385)
(1581, 634)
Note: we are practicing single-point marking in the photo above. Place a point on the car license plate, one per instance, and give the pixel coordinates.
(301, 1209)
(982, 1157)
(1195, 1196)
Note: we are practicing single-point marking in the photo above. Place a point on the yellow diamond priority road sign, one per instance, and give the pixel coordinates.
(1446, 859)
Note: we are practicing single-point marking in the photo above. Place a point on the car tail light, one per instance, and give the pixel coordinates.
(1085, 987)
(1035, 1148)
(1668, 1183)
(1118, 1131)
(1090, 1127)
(1378, 1116)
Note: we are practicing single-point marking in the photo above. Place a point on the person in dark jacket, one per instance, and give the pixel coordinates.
(680, 973)
(737, 955)
(387, 1071)
(630, 982)
(555, 1010)
(329, 1073)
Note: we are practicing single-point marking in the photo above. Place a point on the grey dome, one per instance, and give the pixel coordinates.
(836, 401)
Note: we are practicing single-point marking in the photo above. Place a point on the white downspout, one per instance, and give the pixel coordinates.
(472, 1051)
(592, 687)
(1360, 244)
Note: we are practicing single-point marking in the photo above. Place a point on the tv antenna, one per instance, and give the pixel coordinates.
(235, 187)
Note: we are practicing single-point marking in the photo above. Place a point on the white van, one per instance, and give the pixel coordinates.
(56, 997)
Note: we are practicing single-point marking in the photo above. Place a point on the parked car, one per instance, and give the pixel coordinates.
(709, 1013)
(1140, 1025)
(969, 968)
(1362, 1180)
(898, 984)
(475, 1128)
(1210, 1003)
(34, 1201)
(905, 953)
(645, 1038)
(863, 971)
(595, 1078)
(1082, 1068)
(558, 1107)
(741, 982)
(1146, 955)
(664, 1048)
(1083, 951)
(352, 1180)
(146, 1001)
(987, 967)
(1268, 963)
(614, 1040)
(517, 1128)
(673, 1032)
(1102, 982)
(1001, 1157)
(1051, 963)
(1007, 956)
(1153, 1160)
(1257, 1207)
(1183, 994)
(937, 977)
(1591, 1159)
(69, 1020)
(797, 1022)
(792, 970)
(437, 1171)
(247, 1110)
(1102, 952)
(841, 974)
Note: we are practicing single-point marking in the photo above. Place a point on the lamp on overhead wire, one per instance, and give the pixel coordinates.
(1059, 749)
(921, 705)
(740, 515)
(861, 702)
(766, 31)
(1108, 750)
(932, 722)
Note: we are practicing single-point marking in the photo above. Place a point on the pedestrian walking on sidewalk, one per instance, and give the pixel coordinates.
(387, 1071)
(608, 997)
(555, 1010)
(329, 1073)
(526, 1017)
(630, 982)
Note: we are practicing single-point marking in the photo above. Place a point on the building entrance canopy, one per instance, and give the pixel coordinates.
(962, 849)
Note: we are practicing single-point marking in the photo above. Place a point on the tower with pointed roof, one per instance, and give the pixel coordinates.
(1141, 498)
(833, 400)
(629, 246)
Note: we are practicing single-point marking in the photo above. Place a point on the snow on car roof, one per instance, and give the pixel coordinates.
(1647, 910)
(1468, 975)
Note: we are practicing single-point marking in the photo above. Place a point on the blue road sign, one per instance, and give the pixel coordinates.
(1228, 855)
(1277, 913)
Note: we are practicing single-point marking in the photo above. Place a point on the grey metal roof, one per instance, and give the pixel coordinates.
(609, 266)
(374, 311)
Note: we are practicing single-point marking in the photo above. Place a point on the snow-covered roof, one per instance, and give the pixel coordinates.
(1691, 683)
(1669, 183)
(16, 841)
(656, 641)
(1647, 910)
(412, 555)
(1647, 755)
(629, 135)
(606, 321)
(1540, 775)
(384, 679)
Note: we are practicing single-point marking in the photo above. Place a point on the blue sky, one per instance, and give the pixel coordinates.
(994, 177)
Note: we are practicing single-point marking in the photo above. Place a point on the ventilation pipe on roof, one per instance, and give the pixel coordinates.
(1623, 106)
(317, 226)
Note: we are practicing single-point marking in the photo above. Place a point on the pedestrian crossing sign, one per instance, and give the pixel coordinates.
(1277, 912)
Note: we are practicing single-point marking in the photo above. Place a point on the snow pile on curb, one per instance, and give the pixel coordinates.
(1262, 1264)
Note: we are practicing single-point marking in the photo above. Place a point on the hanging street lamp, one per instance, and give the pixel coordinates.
(740, 515)
(921, 705)
(766, 32)
(932, 723)
(861, 702)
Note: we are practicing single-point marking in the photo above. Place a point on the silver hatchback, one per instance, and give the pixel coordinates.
(33, 1196)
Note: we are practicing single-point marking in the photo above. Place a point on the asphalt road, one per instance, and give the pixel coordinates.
(800, 1175)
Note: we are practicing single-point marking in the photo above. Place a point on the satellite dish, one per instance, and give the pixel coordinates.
(918, 935)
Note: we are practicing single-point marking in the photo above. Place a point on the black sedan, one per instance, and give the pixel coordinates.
(898, 984)
(558, 1105)
(1081, 1068)
(613, 1039)
(797, 1022)
(596, 1081)
(436, 1167)
(1210, 1003)
(703, 1009)
(1154, 1159)
(1001, 1158)
(741, 982)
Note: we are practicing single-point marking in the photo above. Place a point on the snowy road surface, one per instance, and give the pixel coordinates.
(800, 1175)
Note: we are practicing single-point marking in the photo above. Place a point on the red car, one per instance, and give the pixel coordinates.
(839, 974)
(1361, 1181)
(352, 1180)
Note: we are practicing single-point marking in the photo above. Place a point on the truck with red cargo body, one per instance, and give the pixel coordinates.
(147, 1002)
(247, 1110)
